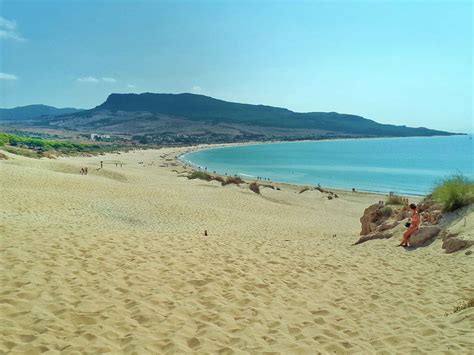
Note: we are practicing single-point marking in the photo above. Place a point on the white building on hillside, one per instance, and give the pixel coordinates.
(95, 136)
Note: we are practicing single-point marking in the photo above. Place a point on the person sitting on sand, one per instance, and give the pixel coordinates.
(413, 226)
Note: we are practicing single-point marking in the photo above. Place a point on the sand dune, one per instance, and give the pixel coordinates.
(116, 261)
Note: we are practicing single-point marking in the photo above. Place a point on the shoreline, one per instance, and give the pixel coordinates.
(181, 160)
(183, 164)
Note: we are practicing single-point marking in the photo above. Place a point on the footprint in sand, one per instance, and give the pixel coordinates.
(194, 343)
(199, 282)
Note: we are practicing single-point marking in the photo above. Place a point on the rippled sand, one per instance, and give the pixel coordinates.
(117, 261)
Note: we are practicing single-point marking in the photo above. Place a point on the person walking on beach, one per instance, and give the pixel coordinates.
(412, 227)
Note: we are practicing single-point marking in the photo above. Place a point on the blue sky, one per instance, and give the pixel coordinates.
(400, 62)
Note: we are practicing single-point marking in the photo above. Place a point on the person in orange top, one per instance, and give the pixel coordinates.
(414, 226)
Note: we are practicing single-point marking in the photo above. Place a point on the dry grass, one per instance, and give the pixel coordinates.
(21, 151)
(387, 211)
(394, 200)
(254, 187)
(219, 178)
(233, 180)
(462, 306)
(320, 189)
(49, 155)
(200, 175)
(3, 156)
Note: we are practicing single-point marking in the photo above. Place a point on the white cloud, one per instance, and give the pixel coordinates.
(8, 30)
(93, 79)
(88, 79)
(7, 24)
(131, 86)
(5, 76)
(196, 89)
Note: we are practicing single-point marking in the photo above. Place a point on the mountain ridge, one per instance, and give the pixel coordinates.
(201, 107)
(34, 111)
(192, 118)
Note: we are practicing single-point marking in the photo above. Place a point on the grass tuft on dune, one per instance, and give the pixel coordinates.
(200, 175)
(454, 192)
(233, 180)
(394, 200)
(254, 187)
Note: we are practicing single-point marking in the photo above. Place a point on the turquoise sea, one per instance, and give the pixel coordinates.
(409, 166)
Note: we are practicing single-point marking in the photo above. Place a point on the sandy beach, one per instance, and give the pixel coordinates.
(117, 261)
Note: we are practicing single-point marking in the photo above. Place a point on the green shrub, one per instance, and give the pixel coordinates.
(454, 192)
(3, 139)
(394, 200)
(38, 147)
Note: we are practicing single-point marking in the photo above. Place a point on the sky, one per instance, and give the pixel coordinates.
(398, 62)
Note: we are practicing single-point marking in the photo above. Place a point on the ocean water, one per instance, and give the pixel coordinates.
(409, 166)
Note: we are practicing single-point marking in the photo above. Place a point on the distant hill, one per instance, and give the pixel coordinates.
(33, 112)
(204, 108)
(190, 118)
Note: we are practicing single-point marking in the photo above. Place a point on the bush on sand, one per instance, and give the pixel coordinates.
(233, 180)
(200, 175)
(454, 192)
(387, 211)
(394, 200)
(254, 187)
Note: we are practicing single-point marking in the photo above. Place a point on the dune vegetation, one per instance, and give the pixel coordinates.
(202, 175)
(454, 192)
(254, 187)
(394, 200)
(233, 180)
(37, 148)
